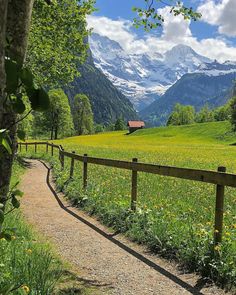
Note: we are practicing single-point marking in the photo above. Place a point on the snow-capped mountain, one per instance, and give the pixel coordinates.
(143, 78)
(217, 69)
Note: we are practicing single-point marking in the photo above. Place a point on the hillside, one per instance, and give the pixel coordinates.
(153, 142)
(192, 89)
(108, 103)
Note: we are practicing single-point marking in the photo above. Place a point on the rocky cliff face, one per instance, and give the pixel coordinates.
(108, 103)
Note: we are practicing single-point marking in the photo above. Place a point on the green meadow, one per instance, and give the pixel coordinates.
(174, 217)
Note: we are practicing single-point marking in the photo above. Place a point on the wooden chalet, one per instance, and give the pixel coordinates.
(135, 125)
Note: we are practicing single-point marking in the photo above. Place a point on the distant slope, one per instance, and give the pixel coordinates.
(205, 133)
(194, 89)
(108, 103)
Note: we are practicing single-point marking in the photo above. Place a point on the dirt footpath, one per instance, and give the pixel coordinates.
(100, 256)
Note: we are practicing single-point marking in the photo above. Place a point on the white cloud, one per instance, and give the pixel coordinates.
(175, 31)
(174, 27)
(221, 14)
(117, 30)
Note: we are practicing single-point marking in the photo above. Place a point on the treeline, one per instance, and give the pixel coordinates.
(119, 124)
(186, 114)
(62, 120)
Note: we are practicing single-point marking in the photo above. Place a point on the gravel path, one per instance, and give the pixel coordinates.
(100, 256)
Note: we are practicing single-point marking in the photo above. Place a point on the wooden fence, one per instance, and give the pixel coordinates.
(219, 178)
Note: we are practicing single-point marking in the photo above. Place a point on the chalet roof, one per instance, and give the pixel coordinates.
(136, 124)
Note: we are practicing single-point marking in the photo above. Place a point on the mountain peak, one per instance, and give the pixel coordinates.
(183, 49)
(182, 54)
(97, 40)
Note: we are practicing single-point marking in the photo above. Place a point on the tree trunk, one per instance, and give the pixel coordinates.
(51, 133)
(17, 29)
(3, 17)
(56, 132)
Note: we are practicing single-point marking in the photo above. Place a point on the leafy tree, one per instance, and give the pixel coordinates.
(120, 124)
(98, 128)
(233, 112)
(181, 115)
(57, 40)
(222, 113)
(204, 115)
(57, 119)
(82, 115)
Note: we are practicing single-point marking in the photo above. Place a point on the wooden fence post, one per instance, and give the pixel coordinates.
(52, 149)
(47, 147)
(85, 172)
(219, 210)
(35, 147)
(26, 146)
(72, 164)
(134, 186)
(62, 158)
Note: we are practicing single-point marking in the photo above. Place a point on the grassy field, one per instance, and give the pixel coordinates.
(175, 217)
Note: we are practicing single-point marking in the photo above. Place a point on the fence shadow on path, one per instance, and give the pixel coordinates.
(195, 290)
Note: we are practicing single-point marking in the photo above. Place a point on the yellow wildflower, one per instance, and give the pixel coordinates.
(26, 289)
(29, 251)
(217, 248)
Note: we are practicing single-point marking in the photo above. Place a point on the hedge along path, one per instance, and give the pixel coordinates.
(106, 259)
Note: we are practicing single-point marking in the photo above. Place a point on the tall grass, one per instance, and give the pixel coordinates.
(174, 217)
(27, 265)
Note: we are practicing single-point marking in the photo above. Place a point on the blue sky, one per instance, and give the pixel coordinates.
(213, 36)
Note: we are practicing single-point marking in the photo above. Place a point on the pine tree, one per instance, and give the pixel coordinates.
(120, 124)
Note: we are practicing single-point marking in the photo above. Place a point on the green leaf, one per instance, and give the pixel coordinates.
(1, 216)
(12, 76)
(18, 105)
(39, 99)
(15, 202)
(21, 134)
(17, 192)
(5, 143)
(27, 78)
(1, 206)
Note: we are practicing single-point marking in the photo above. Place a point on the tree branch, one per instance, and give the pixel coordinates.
(18, 121)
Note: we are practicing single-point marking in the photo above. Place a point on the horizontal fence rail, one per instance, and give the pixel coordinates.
(219, 178)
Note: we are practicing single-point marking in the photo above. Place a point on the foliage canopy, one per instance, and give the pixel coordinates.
(58, 40)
